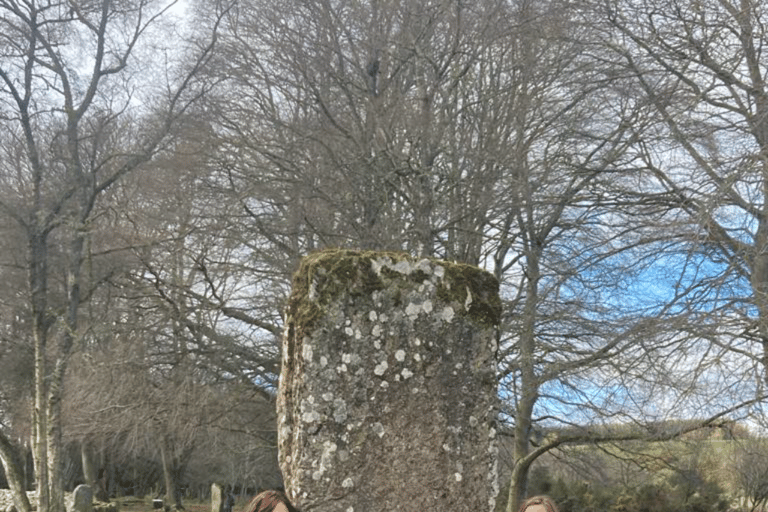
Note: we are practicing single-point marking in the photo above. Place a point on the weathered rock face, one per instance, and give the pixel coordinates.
(388, 393)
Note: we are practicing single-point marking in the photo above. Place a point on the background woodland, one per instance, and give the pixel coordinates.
(164, 166)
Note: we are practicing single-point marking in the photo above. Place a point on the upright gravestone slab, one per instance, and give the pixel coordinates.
(217, 498)
(82, 499)
(388, 394)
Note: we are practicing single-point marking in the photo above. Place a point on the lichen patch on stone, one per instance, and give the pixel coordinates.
(339, 410)
(381, 368)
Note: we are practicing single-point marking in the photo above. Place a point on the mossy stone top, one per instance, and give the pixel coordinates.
(323, 275)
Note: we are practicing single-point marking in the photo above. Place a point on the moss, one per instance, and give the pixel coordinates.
(461, 279)
(418, 276)
(331, 272)
(324, 275)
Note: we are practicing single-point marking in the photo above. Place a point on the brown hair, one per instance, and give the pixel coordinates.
(544, 501)
(268, 501)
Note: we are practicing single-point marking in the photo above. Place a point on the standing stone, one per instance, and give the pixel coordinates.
(388, 393)
(82, 499)
(217, 498)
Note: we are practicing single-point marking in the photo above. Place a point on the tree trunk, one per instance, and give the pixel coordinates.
(529, 384)
(40, 431)
(518, 485)
(38, 284)
(14, 473)
(169, 476)
(29, 466)
(55, 470)
(55, 473)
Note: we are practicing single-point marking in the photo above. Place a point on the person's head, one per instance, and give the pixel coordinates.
(538, 504)
(271, 501)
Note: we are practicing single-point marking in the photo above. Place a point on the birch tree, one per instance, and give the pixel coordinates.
(71, 99)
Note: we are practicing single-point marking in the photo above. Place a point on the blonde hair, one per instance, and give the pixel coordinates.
(542, 500)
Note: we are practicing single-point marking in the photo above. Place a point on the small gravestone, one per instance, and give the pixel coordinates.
(82, 499)
(217, 498)
(388, 391)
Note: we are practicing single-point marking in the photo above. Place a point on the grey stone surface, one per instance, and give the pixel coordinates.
(388, 394)
(81, 499)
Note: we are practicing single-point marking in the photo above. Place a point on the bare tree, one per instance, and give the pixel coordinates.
(356, 129)
(701, 69)
(69, 111)
(691, 193)
(751, 471)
